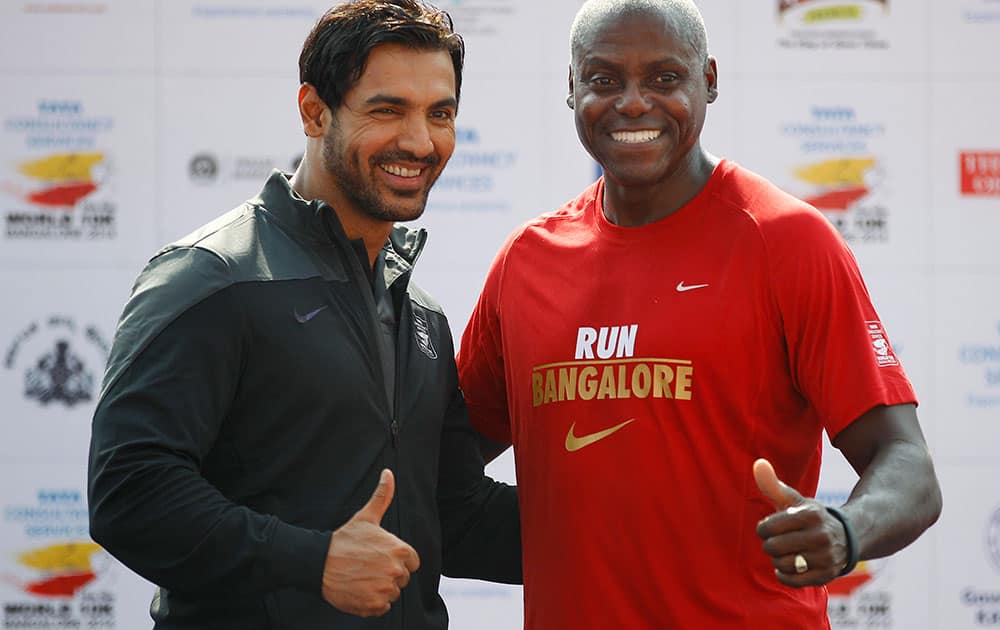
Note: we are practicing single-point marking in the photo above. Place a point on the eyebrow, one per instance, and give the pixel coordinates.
(604, 62)
(379, 99)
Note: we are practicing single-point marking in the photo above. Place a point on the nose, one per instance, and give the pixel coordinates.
(632, 102)
(415, 137)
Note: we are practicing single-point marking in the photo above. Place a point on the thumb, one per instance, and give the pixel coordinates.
(380, 500)
(777, 492)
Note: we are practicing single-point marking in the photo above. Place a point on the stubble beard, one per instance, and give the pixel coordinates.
(361, 191)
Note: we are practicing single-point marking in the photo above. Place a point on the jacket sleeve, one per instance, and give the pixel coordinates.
(480, 519)
(158, 419)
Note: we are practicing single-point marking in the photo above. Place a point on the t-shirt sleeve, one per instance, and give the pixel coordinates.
(480, 359)
(839, 353)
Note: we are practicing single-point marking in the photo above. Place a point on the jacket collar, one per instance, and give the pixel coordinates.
(316, 221)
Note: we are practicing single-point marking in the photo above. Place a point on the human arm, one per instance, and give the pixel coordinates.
(841, 364)
(896, 498)
(490, 449)
(480, 518)
(156, 435)
(164, 458)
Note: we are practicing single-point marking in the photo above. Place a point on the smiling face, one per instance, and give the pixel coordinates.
(640, 89)
(393, 134)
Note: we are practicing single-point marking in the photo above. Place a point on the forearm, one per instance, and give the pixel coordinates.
(895, 500)
(480, 519)
(167, 523)
(482, 534)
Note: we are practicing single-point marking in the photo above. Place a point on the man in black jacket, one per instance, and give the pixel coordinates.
(281, 441)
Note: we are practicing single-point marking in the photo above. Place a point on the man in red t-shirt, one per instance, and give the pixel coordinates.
(652, 347)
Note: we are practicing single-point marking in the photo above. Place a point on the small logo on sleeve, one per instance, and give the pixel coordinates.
(884, 355)
(422, 334)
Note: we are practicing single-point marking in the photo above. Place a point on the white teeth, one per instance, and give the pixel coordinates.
(634, 137)
(400, 171)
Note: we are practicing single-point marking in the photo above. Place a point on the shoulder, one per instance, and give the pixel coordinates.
(781, 219)
(180, 276)
(423, 299)
(563, 226)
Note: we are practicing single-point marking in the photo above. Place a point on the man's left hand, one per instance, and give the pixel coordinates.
(807, 545)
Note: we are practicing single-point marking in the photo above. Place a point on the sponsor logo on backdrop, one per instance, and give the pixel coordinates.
(983, 602)
(59, 361)
(58, 184)
(857, 600)
(215, 11)
(65, 7)
(53, 575)
(981, 12)
(477, 18)
(471, 180)
(839, 171)
(993, 539)
(984, 358)
(832, 24)
(979, 173)
(206, 168)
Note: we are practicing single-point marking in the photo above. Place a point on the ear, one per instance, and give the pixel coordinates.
(712, 79)
(570, 98)
(312, 110)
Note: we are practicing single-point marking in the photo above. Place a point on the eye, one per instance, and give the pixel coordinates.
(442, 114)
(602, 81)
(665, 78)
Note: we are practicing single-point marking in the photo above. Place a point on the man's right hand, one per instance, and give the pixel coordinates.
(366, 566)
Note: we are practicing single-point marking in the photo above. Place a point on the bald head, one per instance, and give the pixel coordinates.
(595, 14)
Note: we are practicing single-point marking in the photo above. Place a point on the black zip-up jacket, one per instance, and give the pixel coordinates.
(244, 417)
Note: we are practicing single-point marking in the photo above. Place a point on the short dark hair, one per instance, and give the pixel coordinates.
(336, 51)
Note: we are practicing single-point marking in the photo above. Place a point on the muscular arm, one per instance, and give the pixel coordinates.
(154, 440)
(480, 519)
(895, 500)
(897, 496)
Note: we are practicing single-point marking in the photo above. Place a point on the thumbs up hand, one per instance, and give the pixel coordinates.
(807, 545)
(366, 566)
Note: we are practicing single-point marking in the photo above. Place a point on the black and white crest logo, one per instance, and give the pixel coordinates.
(422, 334)
(59, 375)
(58, 360)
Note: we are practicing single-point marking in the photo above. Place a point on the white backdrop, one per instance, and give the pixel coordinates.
(124, 124)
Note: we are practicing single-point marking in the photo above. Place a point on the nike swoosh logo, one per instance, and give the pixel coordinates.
(681, 287)
(304, 318)
(575, 443)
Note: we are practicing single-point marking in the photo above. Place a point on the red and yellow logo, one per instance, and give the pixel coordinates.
(846, 585)
(63, 179)
(839, 183)
(63, 569)
(825, 10)
(980, 173)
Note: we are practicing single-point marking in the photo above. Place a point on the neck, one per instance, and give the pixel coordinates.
(312, 183)
(633, 206)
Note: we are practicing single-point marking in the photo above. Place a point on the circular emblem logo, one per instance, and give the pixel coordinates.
(993, 539)
(203, 168)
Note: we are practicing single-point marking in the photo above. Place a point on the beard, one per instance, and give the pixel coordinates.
(358, 183)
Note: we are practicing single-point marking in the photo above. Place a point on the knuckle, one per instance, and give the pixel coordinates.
(397, 571)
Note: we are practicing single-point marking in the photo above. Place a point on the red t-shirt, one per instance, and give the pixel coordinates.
(639, 372)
